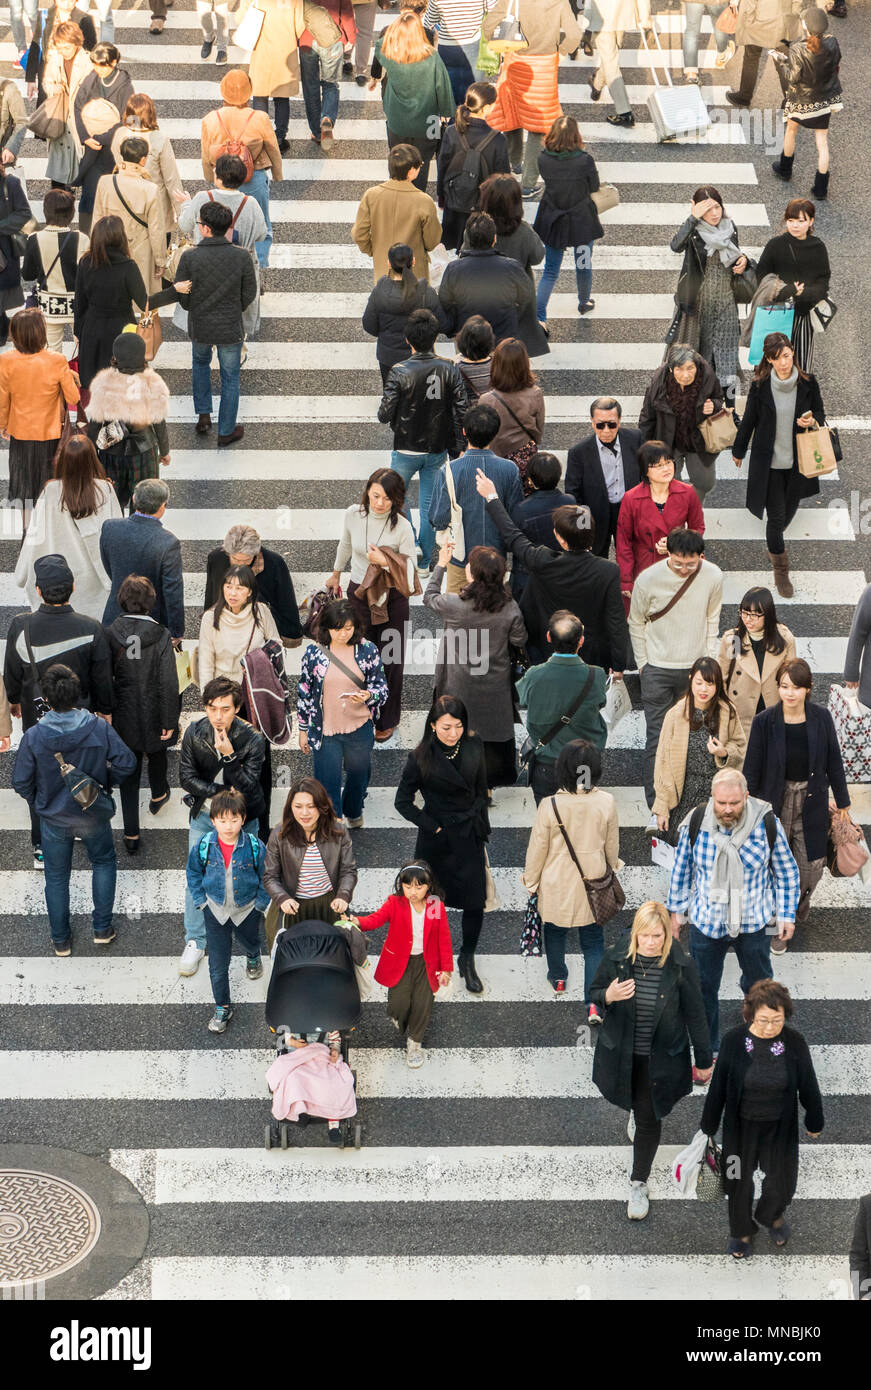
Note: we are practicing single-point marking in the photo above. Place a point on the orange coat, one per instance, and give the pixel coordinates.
(527, 95)
(31, 388)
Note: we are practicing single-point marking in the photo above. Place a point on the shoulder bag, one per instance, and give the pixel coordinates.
(56, 304)
(346, 670)
(454, 529)
(654, 617)
(605, 895)
(529, 749)
(718, 430)
(124, 203)
(605, 197)
(38, 700)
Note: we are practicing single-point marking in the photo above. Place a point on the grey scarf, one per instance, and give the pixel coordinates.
(719, 238)
(726, 885)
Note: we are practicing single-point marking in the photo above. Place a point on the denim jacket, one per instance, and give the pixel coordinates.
(207, 880)
(315, 664)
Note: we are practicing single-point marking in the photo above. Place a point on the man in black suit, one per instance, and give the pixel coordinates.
(602, 467)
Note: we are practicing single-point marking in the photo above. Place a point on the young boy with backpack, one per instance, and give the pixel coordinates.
(469, 153)
(225, 876)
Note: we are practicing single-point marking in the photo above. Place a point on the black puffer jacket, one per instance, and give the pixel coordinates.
(204, 772)
(387, 313)
(812, 78)
(424, 403)
(223, 284)
(146, 684)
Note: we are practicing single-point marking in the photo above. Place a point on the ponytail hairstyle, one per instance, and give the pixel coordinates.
(479, 95)
(815, 43)
(399, 258)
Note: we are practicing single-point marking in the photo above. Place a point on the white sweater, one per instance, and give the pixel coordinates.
(221, 651)
(689, 631)
(360, 531)
(54, 532)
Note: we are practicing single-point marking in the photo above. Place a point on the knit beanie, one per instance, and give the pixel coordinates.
(128, 351)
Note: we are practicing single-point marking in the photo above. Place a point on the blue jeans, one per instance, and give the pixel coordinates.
(107, 23)
(230, 366)
(753, 950)
(553, 260)
(194, 926)
(321, 99)
(17, 9)
(694, 14)
(219, 936)
(354, 753)
(406, 465)
(57, 848)
(257, 188)
(460, 59)
(592, 942)
(282, 113)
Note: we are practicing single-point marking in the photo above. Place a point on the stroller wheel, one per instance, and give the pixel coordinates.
(283, 1131)
(268, 1137)
(358, 1134)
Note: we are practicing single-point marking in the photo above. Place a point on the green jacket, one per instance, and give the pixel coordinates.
(547, 691)
(416, 95)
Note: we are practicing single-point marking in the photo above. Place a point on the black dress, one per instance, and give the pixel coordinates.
(452, 827)
(104, 305)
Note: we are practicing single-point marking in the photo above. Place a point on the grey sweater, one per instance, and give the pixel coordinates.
(783, 394)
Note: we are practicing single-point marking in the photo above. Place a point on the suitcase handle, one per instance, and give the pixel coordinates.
(660, 50)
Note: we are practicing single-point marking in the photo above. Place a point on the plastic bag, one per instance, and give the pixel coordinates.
(439, 260)
(617, 703)
(685, 1168)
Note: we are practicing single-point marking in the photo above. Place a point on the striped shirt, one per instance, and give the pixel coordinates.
(647, 972)
(459, 20)
(313, 879)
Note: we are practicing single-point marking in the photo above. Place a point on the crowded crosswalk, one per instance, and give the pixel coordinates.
(497, 1170)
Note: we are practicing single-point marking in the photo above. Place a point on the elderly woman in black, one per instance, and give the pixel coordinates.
(449, 770)
(782, 400)
(682, 392)
(763, 1069)
(793, 760)
(647, 989)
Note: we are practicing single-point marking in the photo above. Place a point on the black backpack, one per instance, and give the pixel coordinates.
(466, 172)
(698, 815)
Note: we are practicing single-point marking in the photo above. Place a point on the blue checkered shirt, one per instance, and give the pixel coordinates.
(771, 882)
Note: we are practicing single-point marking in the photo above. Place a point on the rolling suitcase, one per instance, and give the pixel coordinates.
(674, 110)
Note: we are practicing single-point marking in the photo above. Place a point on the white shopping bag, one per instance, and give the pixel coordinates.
(685, 1168)
(617, 703)
(248, 33)
(662, 853)
(439, 259)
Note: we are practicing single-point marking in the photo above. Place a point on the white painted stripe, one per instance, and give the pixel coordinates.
(114, 979)
(162, 890)
(492, 1174)
(817, 587)
(503, 1073)
(356, 356)
(594, 1278)
(287, 255)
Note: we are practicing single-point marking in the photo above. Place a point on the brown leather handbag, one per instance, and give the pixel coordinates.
(606, 897)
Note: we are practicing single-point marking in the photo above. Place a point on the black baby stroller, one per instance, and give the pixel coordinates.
(313, 989)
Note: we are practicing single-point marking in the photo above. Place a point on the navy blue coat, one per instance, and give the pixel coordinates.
(141, 545)
(93, 747)
(765, 769)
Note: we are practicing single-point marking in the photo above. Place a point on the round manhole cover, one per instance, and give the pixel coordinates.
(47, 1225)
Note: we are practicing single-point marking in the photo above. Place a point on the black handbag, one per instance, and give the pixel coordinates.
(518, 658)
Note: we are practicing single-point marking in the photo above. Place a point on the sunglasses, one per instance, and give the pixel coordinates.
(606, 425)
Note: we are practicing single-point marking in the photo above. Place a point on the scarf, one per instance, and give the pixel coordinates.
(682, 400)
(726, 884)
(719, 238)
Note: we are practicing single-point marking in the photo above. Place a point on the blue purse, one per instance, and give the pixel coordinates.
(777, 318)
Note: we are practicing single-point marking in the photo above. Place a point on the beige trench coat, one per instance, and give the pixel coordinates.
(669, 772)
(160, 167)
(766, 22)
(745, 687)
(590, 819)
(274, 64)
(147, 243)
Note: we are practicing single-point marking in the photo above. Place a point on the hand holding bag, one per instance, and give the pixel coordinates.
(149, 330)
(606, 897)
(531, 935)
(815, 453)
(718, 430)
(49, 121)
(769, 318)
(727, 22)
(709, 1185)
(847, 851)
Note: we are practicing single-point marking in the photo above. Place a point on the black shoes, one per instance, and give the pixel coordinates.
(206, 50)
(736, 99)
(625, 118)
(782, 167)
(595, 94)
(225, 439)
(466, 967)
(283, 145)
(204, 424)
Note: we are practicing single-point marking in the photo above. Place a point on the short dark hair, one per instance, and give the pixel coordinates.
(134, 149)
(481, 231)
(55, 593)
(105, 53)
(606, 403)
(216, 217)
(230, 169)
(476, 339)
(580, 761)
(219, 688)
(798, 670)
(421, 330)
(336, 614)
(401, 160)
(58, 207)
(683, 542)
(565, 630)
(61, 688)
(228, 802)
(766, 994)
(27, 330)
(481, 424)
(137, 594)
(544, 471)
(651, 453)
(575, 526)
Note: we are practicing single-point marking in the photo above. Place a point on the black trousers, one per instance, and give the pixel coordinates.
(410, 1002)
(750, 68)
(648, 1129)
(282, 113)
(129, 788)
(780, 509)
(473, 921)
(603, 540)
(756, 1150)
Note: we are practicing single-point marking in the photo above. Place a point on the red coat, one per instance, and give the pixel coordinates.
(640, 524)
(438, 953)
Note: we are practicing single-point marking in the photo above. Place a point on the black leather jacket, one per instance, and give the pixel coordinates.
(813, 77)
(204, 772)
(424, 402)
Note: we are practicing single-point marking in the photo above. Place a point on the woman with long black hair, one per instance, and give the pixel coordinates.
(750, 653)
(449, 769)
(391, 304)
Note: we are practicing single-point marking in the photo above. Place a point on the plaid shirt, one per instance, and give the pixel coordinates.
(771, 883)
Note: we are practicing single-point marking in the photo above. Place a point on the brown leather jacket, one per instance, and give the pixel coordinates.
(281, 875)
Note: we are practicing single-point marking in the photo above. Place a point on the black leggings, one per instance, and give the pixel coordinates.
(473, 920)
(130, 788)
(648, 1129)
(779, 509)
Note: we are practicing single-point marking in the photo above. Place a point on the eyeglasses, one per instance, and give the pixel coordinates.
(750, 613)
(606, 424)
(661, 463)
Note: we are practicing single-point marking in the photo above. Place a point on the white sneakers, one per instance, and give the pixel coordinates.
(414, 1054)
(639, 1204)
(190, 958)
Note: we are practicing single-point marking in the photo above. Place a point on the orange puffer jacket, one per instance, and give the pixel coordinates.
(527, 97)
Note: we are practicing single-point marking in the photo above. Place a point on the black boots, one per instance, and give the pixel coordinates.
(821, 185)
(466, 967)
(782, 167)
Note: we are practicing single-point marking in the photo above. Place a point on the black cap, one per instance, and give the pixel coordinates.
(52, 571)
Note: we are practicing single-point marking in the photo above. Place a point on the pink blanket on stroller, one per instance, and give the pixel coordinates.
(306, 1082)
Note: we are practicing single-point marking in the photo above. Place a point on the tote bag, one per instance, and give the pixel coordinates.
(248, 33)
(454, 529)
(775, 318)
(815, 453)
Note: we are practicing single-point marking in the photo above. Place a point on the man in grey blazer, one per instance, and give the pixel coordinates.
(602, 468)
(140, 544)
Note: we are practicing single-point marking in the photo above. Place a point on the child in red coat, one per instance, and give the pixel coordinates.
(417, 956)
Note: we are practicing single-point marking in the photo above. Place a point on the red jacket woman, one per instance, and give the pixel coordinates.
(438, 953)
(641, 523)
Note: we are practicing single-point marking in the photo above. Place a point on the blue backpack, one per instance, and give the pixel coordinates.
(256, 850)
